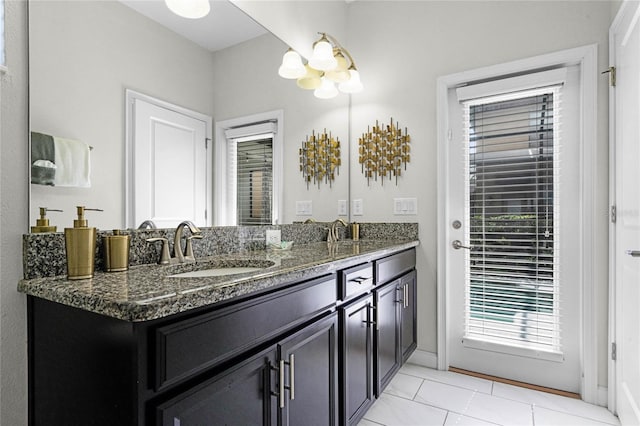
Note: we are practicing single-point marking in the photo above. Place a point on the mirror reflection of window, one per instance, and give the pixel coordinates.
(254, 183)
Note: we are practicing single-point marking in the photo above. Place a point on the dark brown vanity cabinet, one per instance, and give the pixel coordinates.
(396, 311)
(315, 352)
(357, 322)
(293, 382)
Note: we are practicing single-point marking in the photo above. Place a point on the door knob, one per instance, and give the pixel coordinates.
(457, 244)
(633, 253)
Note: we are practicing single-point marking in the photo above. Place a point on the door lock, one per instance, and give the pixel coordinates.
(456, 224)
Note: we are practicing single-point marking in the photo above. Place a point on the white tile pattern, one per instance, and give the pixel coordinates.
(420, 396)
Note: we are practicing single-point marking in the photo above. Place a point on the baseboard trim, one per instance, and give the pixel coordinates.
(424, 359)
(602, 398)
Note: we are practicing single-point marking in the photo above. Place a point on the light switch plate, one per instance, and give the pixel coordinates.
(358, 209)
(405, 206)
(304, 208)
(342, 207)
(273, 237)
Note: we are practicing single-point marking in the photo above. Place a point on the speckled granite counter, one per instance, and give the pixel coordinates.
(147, 292)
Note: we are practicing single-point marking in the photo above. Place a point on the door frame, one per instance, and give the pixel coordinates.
(130, 97)
(586, 58)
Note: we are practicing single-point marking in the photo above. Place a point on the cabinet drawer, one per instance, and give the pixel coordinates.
(190, 346)
(394, 265)
(355, 280)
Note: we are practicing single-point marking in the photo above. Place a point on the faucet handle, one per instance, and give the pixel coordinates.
(165, 259)
(188, 248)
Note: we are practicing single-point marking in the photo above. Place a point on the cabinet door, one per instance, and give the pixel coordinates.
(310, 380)
(388, 299)
(356, 354)
(409, 313)
(239, 396)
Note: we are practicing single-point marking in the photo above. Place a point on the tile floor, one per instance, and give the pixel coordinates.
(420, 396)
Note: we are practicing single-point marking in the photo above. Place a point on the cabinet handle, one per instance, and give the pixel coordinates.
(281, 385)
(403, 294)
(362, 280)
(406, 295)
(371, 312)
(292, 377)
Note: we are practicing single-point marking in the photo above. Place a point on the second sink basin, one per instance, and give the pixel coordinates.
(225, 268)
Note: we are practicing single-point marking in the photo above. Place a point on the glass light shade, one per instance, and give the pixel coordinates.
(322, 58)
(311, 80)
(353, 85)
(327, 89)
(192, 9)
(292, 66)
(340, 73)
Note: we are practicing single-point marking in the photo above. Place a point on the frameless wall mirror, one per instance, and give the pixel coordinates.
(79, 78)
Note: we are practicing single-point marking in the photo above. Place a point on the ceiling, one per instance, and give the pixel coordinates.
(224, 26)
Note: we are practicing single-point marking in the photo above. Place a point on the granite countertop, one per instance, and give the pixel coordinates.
(147, 292)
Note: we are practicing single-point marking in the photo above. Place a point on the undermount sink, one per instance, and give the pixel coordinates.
(226, 268)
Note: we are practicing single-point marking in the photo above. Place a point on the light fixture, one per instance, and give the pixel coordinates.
(292, 66)
(353, 84)
(192, 9)
(327, 89)
(329, 64)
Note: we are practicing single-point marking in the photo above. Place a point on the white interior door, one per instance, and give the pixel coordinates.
(625, 52)
(513, 269)
(169, 182)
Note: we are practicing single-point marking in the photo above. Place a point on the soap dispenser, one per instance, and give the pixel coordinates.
(42, 224)
(80, 244)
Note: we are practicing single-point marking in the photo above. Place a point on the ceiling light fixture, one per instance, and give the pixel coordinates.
(192, 9)
(329, 64)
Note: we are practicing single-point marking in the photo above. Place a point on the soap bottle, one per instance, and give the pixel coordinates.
(80, 244)
(42, 224)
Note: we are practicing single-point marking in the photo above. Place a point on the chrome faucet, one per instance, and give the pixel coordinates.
(187, 255)
(147, 224)
(332, 237)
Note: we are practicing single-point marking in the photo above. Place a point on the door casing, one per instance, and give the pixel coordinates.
(586, 58)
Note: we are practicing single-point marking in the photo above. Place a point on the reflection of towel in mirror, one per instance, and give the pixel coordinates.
(73, 165)
(42, 157)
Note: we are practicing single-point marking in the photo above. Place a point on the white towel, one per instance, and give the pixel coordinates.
(72, 162)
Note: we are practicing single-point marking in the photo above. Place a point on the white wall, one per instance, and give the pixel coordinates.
(78, 82)
(298, 22)
(13, 217)
(416, 42)
(246, 82)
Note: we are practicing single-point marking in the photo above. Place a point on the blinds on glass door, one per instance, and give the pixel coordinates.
(512, 171)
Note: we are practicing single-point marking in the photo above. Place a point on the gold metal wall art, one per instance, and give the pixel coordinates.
(384, 151)
(320, 158)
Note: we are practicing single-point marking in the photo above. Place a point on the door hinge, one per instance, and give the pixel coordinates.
(612, 75)
(614, 351)
(613, 214)
(206, 143)
(450, 134)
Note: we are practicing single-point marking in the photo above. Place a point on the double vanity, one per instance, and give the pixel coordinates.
(306, 336)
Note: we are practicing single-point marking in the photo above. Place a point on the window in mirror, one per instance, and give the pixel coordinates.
(249, 170)
(254, 183)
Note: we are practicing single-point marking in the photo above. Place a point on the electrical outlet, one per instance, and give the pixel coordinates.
(273, 237)
(357, 210)
(342, 207)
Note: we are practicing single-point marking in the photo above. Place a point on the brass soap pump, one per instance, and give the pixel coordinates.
(42, 224)
(80, 244)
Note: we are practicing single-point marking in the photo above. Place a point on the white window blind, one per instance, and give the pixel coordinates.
(512, 169)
